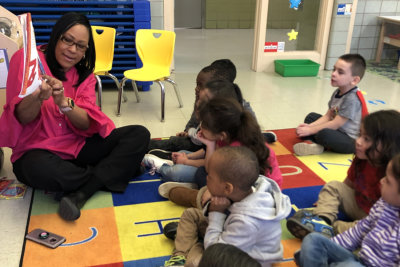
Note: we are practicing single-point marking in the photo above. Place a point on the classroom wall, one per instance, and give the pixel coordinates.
(367, 27)
(157, 14)
(338, 35)
(229, 14)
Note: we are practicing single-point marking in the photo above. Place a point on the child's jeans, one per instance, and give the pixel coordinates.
(318, 250)
(177, 173)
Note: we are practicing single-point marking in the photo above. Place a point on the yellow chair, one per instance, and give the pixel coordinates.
(156, 49)
(104, 40)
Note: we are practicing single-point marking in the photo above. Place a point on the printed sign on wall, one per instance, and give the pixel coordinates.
(344, 9)
(274, 47)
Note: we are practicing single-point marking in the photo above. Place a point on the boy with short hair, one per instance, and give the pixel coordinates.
(377, 235)
(245, 211)
(340, 126)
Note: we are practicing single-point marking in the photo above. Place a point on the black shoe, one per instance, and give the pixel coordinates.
(163, 154)
(170, 230)
(70, 206)
(270, 137)
(58, 195)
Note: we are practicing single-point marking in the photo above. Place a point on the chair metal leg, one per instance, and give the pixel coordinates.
(120, 89)
(136, 91)
(115, 79)
(99, 90)
(178, 95)
(124, 97)
(162, 100)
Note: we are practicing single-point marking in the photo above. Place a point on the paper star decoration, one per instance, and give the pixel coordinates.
(292, 35)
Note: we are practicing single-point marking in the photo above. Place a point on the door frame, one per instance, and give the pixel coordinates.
(263, 61)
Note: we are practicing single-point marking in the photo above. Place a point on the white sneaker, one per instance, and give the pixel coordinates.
(164, 188)
(155, 163)
(307, 148)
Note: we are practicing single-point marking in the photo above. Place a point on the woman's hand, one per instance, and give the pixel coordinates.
(57, 91)
(29, 108)
(44, 91)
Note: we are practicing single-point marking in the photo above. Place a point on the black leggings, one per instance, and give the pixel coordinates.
(110, 161)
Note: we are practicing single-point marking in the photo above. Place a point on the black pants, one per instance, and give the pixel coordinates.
(112, 161)
(201, 177)
(174, 144)
(332, 140)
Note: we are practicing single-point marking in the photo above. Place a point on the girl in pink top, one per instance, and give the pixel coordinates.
(223, 122)
(61, 141)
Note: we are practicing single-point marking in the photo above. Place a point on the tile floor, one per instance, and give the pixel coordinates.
(278, 103)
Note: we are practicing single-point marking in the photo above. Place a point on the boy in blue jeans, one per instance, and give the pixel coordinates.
(340, 126)
(378, 234)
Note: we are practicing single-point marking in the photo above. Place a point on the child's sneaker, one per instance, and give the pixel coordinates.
(176, 261)
(170, 230)
(304, 222)
(307, 148)
(270, 137)
(155, 163)
(164, 154)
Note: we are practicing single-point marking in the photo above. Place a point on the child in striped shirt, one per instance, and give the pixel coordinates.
(377, 235)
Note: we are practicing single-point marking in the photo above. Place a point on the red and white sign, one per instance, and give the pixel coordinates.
(31, 79)
(274, 47)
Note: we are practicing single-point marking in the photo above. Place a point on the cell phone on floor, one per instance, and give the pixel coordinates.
(45, 238)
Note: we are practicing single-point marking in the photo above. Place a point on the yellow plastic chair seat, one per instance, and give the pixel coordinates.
(150, 73)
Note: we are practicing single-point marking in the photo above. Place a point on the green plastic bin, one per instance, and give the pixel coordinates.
(296, 67)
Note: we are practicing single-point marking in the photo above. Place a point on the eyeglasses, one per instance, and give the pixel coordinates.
(70, 42)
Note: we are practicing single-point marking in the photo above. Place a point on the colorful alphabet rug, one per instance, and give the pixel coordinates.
(126, 229)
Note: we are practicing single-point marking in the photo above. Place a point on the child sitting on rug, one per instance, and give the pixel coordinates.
(184, 163)
(340, 126)
(378, 143)
(378, 234)
(220, 69)
(224, 123)
(245, 210)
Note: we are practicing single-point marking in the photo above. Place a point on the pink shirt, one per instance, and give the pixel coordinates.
(51, 130)
(275, 173)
